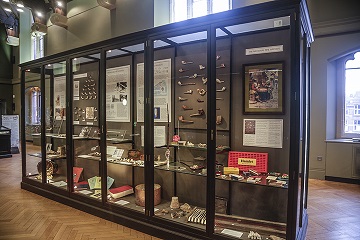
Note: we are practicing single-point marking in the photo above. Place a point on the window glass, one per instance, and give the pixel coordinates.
(352, 95)
(180, 10)
(220, 6)
(199, 8)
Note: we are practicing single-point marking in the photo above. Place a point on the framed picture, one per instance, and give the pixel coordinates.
(263, 88)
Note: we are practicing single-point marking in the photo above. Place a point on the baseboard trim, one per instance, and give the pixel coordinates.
(343, 180)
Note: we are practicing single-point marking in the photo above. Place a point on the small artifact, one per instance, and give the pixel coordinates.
(218, 119)
(204, 80)
(221, 66)
(182, 99)
(185, 62)
(134, 154)
(199, 100)
(218, 57)
(221, 90)
(195, 75)
(140, 195)
(202, 91)
(201, 67)
(202, 145)
(189, 144)
(185, 84)
(186, 107)
(200, 113)
(185, 207)
(174, 203)
(181, 119)
(218, 98)
(254, 235)
(165, 211)
(182, 70)
(219, 81)
(188, 92)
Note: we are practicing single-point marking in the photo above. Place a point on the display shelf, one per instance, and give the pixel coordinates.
(48, 156)
(196, 147)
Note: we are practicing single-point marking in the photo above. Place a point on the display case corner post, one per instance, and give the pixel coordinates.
(149, 125)
(22, 119)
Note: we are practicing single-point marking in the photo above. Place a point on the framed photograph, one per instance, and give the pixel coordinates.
(263, 88)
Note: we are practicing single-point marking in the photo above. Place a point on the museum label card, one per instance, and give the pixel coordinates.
(232, 233)
(122, 202)
(263, 50)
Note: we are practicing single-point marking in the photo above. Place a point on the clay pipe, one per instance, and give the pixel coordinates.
(200, 113)
(185, 84)
(181, 119)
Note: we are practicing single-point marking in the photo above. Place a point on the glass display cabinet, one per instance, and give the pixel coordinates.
(193, 130)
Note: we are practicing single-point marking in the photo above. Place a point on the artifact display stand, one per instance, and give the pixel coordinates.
(189, 130)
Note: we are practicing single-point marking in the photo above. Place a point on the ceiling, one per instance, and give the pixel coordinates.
(10, 19)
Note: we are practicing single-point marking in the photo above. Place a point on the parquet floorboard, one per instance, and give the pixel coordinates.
(333, 208)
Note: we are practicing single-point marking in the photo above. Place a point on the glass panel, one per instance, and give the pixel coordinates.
(33, 123)
(55, 123)
(180, 131)
(124, 123)
(251, 179)
(86, 141)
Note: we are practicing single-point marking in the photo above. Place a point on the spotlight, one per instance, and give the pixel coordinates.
(6, 0)
(7, 9)
(19, 10)
(39, 14)
(60, 4)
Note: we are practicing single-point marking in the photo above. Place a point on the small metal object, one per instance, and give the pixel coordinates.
(199, 100)
(219, 81)
(181, 119)
(182, 70)
(185, 62)
(201, 67)
(204, 80)
(221, 66)
(186, 107)
(200, 113)
(185, 84)
(221, 90)
(188, 92)
(202, 91)
(182, 99)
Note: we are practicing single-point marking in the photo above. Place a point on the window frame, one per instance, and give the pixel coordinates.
(341, 108)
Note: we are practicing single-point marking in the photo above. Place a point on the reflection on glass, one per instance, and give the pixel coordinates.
(86, 140)
(55, 123)
(124, 146)
(33, 96)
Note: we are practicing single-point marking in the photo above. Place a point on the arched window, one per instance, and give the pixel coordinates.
(348, 76)
(33, 106)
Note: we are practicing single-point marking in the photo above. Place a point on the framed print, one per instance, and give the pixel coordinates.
(263, 88)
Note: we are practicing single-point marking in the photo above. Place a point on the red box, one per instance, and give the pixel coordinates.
(261, 161)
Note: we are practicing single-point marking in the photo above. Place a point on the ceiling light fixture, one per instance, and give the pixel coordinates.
(7, 9)
(39, 14)
(6, 0)
(19, 10)
(60, 4)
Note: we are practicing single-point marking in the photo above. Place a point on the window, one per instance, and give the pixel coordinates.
(349, 78)
(37, 46)
(33, 103)
(185, 9)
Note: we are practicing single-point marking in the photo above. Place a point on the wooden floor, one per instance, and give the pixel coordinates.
(334, 213)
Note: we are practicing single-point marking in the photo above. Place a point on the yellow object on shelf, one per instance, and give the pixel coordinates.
(231, 170)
